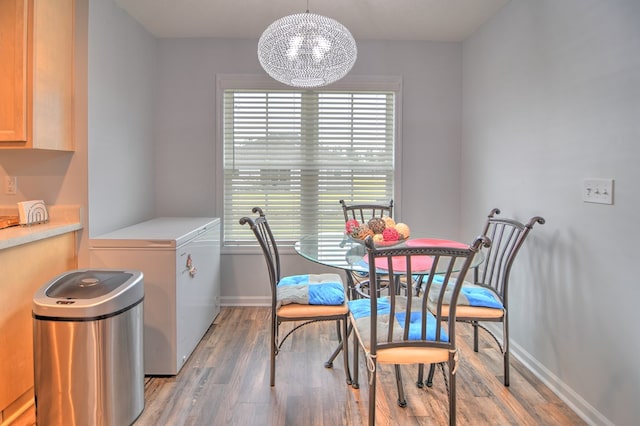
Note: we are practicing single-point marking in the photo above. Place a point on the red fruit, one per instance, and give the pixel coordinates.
(390, 234)
(351, 225)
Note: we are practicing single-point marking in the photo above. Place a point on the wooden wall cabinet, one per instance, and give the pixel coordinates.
(36, 74)
(25, 268)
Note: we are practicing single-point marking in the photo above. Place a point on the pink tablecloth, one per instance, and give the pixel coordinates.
(419, 263)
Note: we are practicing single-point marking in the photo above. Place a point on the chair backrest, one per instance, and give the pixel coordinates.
(262, 231)
(507, 237)
(434, 267)
(364, 212)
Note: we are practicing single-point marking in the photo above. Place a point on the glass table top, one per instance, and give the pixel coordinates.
(333, 249)
(336, 250)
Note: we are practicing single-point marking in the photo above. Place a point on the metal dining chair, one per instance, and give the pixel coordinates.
(399, 328)
(364, 212)
(358, 282)
(305, 298)
(486, 298)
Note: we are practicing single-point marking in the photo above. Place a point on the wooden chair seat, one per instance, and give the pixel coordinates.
(295, 310)
(476, 312)
(409, 355)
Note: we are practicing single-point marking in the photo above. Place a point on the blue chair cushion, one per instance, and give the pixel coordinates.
(311, 289)
(361, 311)
(470, 295)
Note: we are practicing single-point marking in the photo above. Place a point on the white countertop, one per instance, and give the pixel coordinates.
(62, 219)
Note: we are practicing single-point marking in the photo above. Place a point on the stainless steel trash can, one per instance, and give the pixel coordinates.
(88, 348)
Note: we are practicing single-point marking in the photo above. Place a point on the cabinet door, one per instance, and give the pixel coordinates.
(25, 269)
(37, 74)
(13, 70)
(53, 76)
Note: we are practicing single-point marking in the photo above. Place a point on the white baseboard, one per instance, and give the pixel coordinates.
(245, 301)
(582, 408)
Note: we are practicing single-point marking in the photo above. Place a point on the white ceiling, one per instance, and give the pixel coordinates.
(434, 20)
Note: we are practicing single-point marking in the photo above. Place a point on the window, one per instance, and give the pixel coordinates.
(295, 153)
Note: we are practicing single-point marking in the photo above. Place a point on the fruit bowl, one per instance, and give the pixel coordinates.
(378, 243)
(385, 231)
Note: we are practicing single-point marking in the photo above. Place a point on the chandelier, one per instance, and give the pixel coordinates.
(307, 50)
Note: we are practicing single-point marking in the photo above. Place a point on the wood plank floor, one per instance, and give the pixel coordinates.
(226, 382)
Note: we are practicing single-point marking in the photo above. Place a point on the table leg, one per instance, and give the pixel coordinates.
(341, 338)
(351, 286)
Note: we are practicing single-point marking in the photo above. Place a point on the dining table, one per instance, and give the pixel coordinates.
(339, 250)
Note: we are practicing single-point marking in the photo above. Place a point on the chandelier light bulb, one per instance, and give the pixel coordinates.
(307, 50)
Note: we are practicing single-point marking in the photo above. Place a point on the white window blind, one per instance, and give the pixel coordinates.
(297, 153)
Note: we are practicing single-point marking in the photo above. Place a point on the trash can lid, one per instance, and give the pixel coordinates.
(86, 284)
(88, 294)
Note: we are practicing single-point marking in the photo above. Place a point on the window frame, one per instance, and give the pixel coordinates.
(262, 82)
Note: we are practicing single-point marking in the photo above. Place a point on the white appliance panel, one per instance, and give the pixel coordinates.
(158, 232)
(194, 292)
(182, 297)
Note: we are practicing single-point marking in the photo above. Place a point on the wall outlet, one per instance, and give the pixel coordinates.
(598, 191)
(10, 185)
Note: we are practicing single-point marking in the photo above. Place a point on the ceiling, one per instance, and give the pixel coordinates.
(431, 20)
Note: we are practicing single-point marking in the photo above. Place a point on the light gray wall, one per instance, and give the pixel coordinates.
(186, 136)
(122, 75)
(552, 96)
(186, 120)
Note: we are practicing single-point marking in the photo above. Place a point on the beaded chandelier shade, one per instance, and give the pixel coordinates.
(307, 50)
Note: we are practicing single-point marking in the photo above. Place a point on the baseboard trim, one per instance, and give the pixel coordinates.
(245, 301)
(578, 404)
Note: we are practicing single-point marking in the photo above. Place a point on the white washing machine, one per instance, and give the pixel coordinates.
(180, 260)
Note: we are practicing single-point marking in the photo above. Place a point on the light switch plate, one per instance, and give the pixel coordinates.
(597, 190)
